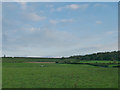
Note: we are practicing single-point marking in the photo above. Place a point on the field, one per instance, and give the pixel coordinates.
(52, 75)
(99, 61)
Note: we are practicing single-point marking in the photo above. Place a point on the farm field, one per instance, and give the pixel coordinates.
(21, 60)
(52, 75)
(59, 44)
(97, 61)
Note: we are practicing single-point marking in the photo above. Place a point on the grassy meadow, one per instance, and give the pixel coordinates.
(52, 75)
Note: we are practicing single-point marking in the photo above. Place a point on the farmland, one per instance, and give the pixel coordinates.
(17, 74)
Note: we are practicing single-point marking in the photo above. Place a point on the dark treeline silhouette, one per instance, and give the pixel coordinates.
(114, 55)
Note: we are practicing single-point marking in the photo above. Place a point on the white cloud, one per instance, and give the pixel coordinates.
(61, 21)
(71, 6)
(32, 29)
(23, 5)
(35, 17)
(49, 42)
(66, 20)
(44, 38)
(99, 22)
(56, 9)
(77, 6)
(108, 47)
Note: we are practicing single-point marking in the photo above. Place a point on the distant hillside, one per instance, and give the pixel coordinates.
(99, 56)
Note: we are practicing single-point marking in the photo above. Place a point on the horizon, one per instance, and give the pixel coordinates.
(57, 56)
(59, 29)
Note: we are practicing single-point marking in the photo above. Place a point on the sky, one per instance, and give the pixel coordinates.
(0, 29)
(52, 29)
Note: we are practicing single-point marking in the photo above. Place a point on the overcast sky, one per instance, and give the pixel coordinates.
(59, 29)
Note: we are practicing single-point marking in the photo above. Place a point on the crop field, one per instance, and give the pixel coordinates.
(52, 75)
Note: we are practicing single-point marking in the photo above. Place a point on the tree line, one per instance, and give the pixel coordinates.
(114, 55)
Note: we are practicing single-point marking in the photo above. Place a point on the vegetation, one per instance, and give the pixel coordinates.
(88, 71)
(113, 56)
(103, 56)
(31, 75)
(22, 59)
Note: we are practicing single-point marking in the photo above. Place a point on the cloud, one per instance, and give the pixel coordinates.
(77, 6)
(48, 42)
(66, 20)
(41, 11)
(39, 42)
(112, 32)
(32, 29)
(56, 9)
(35, 17)
(99, 22)
(45, 39)
(49, 6)
(96, 48)
(23, 3)
(71, 7)
(100, 5)
(61, 21)
(53, 21)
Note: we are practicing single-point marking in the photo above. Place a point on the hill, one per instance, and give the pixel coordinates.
(114, 55)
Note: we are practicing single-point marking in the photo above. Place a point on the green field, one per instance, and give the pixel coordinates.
(21, 60)
(32, 75)
(98, 61)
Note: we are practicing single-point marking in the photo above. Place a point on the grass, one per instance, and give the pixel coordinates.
(31, 75)
(21, 60)
(97, 61)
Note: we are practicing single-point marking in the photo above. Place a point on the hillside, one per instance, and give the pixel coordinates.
(99, 56)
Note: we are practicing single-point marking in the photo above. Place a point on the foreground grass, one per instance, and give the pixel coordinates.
(31, 75)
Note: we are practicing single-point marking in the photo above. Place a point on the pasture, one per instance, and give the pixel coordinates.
(98, 61)
(52, 75)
